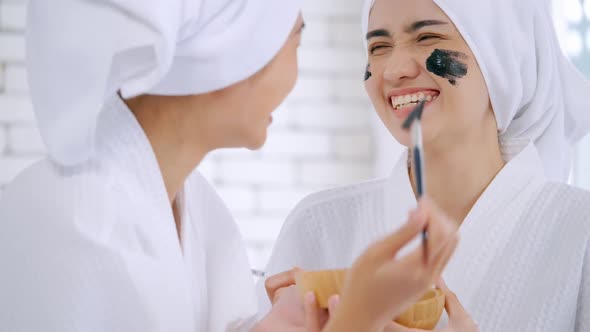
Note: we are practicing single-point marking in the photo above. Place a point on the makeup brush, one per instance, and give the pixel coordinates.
(413, 122)
(258, 273)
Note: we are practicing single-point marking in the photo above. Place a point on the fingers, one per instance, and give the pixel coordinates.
(388, 247)
(442, 241)
(441, 229)
(395, 327)
(312, 314)
(333, 304)
(280, 292)
(278, 281)
(442, 259)
(458, 316)
(453, 306)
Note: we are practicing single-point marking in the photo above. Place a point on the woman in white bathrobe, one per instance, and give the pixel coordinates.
(504, 109)
(116, 230)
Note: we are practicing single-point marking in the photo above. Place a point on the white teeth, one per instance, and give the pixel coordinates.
(409, 100)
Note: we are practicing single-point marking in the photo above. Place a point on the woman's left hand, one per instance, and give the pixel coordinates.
(275, 284)
(459, 319)
(289, 313)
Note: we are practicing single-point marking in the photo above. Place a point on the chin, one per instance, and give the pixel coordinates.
(402, 137)
(256, 143)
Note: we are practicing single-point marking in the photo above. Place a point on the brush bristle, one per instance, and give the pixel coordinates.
(419, 110)
(416, 114)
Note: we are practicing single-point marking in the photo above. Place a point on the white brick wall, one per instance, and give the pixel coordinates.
(12, 15)
(11, 165)
(16, 79)
(12, 47)
(1, 78)
(2, 142)
(245, 171)
(15, 109)
(25, 140)
(321, 136)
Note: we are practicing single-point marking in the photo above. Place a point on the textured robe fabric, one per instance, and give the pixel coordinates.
(522, 264)
(95, 247)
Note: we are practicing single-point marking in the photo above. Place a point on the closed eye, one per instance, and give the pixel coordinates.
(422, 38)
(373, 50)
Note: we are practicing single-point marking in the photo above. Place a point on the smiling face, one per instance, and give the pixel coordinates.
(416, 53)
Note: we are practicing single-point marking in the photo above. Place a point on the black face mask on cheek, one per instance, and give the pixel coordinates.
(447, 64)
(368, 72)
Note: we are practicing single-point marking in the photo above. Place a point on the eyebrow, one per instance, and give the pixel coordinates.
(378, 33)
(422, 24)
(410, 29)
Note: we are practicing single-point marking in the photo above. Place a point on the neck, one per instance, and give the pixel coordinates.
(457, 176)
(176, 144)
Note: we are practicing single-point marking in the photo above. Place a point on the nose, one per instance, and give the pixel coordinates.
(401, 66)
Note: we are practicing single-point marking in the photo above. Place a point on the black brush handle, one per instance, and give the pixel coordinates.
(418, 171)
(419, 176)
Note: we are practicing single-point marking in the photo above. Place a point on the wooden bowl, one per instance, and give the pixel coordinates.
(424, 314)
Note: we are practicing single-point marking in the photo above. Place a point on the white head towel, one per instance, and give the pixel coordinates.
(79, 53)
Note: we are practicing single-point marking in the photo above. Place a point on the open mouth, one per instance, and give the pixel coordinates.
(411, 100)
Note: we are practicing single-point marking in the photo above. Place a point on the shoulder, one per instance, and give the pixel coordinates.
(566, 197)
(55, 201)
(49, 255)
(571, 206)
(331, 216)
(340, 199)
(321, 231)
(45, 182)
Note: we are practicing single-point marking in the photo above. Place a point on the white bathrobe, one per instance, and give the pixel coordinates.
(522, 264)
(94, 247)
